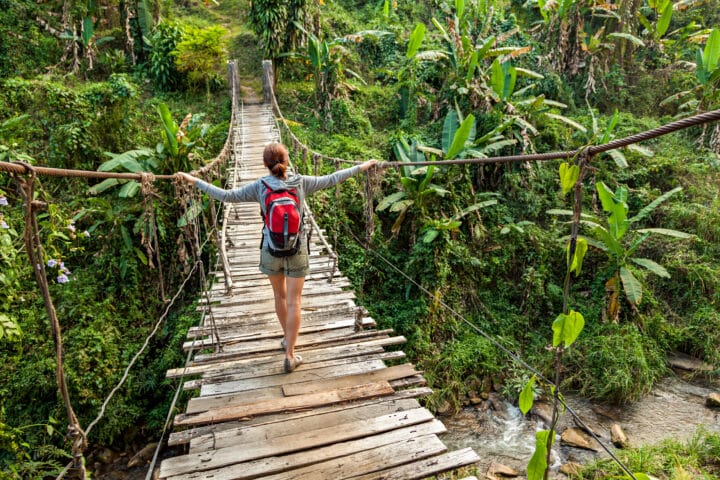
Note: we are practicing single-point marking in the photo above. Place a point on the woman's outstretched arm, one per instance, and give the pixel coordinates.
(313, 184)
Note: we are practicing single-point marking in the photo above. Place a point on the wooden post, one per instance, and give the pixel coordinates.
(268, 81)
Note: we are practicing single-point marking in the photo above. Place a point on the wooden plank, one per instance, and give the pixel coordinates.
(286, 404)
(262, 431)
(310, 355)
(221, 457)
(390, 373)
(365, 338)
(425, 468)
(266, 466)
(275, 368)
(185, 436)
(370, 460)
(302, 374)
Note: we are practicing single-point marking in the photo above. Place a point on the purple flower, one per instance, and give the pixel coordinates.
(71, 227)
(52, 262)
(62, 278)
(3, 201)
(3, 224)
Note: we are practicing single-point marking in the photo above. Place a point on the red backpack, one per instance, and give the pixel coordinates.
(283, 220)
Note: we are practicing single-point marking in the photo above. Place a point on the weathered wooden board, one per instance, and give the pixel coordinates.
(270, 465)
(424, 468)
(185, 436)
(260, 432)
(275, 405)
(389, 373)
(371, 460)
(220, 457)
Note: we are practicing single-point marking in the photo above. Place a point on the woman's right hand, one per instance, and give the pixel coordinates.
(186, 177)
(367, 165)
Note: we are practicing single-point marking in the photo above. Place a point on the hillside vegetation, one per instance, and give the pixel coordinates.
(95, 84)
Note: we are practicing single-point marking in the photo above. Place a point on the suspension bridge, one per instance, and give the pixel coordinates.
(350, 410)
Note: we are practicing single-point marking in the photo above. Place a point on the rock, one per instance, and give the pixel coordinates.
(105, 455)
(570, 468)
(143, 456)
(498, 469)
(713, 400)
(686, 362)
(444, 408)
(618, 437)
(543, 411)
(574, 437)
(476, 400)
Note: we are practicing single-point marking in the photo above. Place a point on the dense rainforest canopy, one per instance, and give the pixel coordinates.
(140, 85)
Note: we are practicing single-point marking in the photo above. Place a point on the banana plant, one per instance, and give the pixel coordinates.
(707, 69)
(614, 236)
(662, 11)
(416, 182)
(132, 161)
(600, 137)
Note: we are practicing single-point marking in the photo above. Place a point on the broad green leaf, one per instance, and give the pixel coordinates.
(485, 47)
(495, 146)
(563, 211)
(654, 267)
(581, 247)
(667, 232)
(711, 54)
(567, 120)
(472, 65)
(87, 32)
(617, 221)
(461, 136)
(409, 183)
(510, 73)
(102, 186)
(611, 242)
(644, 151)
(389, 200)
(524, 72)
(525, 402)
(538, 463)
(566, 328)
(459, 8)
(474, 207)
(631, 285)
(401, 205)
(170, 129)
(650, 207)
(450, 126)
(416, 39)
(606, 197)
(192, 213)
(569, 174)
(626, 36)
(430, 235)
(664, 21)
(619, 158)
(497, 78)
(129, 190)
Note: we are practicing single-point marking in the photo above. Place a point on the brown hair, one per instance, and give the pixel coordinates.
(276, 158)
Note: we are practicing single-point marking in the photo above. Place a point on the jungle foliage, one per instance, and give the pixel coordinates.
(124, 86)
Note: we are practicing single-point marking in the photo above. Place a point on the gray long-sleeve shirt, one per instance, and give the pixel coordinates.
(256, 191)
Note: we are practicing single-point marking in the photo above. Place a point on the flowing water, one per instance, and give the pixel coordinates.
(499, 432)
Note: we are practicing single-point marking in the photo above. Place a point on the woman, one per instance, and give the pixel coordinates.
(286, 274)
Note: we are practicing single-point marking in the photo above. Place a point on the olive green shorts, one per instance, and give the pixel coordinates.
(295, 266)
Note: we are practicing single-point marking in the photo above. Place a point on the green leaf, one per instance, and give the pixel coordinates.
(606, 197)
(129, 190)
(610, 242)
(581, 246)
(567, 120)
(654, 267)
(617, 221)
(497, 78)
(525, 402)
(626, 36)
(459, 8)
(450, 126)
(569, 175)
(472, 65)
(170, 129)
(649, 208)
(389, 200)
(416, 39)
(566, 328)
(461, 136)
(619, 158)
(631, 285)
(538, 463)
(430, 235)
(667, 232)
(88, 31)
(711, 54)
(664, 21)
(104, 185)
